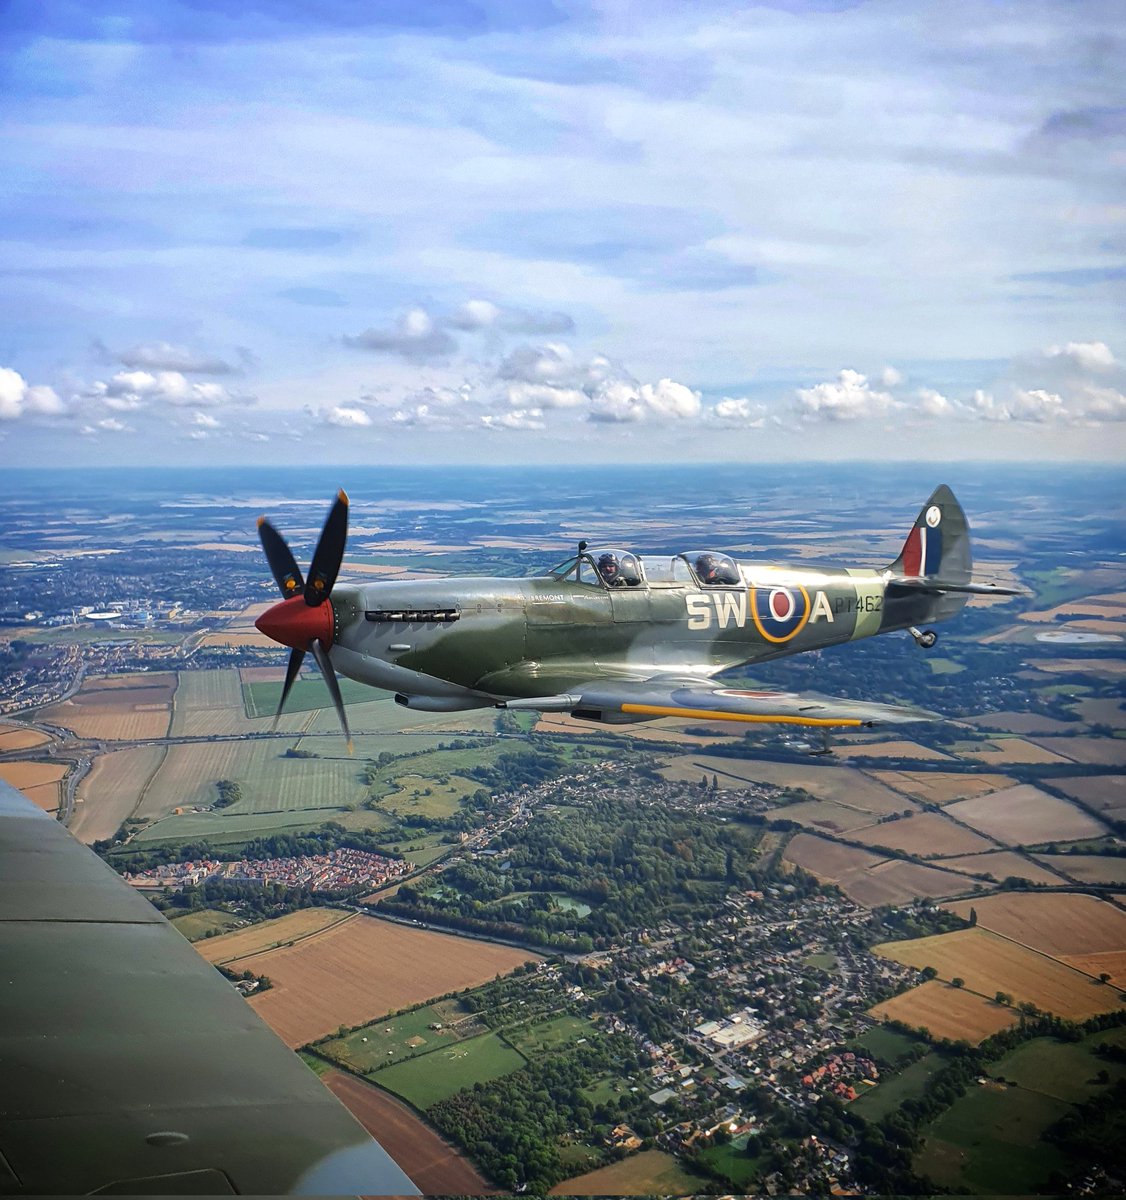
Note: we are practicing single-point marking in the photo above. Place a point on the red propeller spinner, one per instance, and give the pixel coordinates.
(293, 623)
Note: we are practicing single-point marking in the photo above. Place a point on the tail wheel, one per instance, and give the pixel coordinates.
(928, 638)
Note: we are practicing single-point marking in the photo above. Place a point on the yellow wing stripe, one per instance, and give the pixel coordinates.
(660, 710)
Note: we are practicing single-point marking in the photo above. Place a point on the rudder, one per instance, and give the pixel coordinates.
(939, 542)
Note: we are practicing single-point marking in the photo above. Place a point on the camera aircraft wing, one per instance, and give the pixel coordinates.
(129, 1063)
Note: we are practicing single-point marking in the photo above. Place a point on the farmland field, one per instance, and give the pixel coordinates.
(940, 787)
(1087, 868)
(1020, 722)
(1056, 923)
(111, 791)
(886, 1046)
(1000, 864)
(825, 814)
(267, 935)
(195, 925)
(947, 1012)
(926, 834)
(395, 1039)
(898, 882)
(443, 800)
(554, 1034)
(890, 1093)
(19, 737)
(1104, 793)
(362, 968)
(1099, 752)
(210, 702)
(432, 1164)
(39, 781)
(990, 963)
(132, 706)
(1024, 815)
(828, 861)
(999, 752)
(1110, 962)
(845, 785)
(432, 1077)
(1063, 1070)
(989, 1142)
(649, 1173)
(899, 749)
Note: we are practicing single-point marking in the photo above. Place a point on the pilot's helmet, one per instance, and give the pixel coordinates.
(707, 567)
(608, 565)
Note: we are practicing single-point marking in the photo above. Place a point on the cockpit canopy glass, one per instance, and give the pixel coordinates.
(714, 569)
(603, 566)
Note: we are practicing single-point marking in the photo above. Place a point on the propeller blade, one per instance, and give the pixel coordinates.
(323, 661)
(329, 552)
(282, 563)
(296, 657)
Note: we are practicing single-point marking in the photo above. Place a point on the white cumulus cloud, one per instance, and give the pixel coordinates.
(415, 336)
(530, 418)
(19, 399)
(850, 398)
(738, 410)
(345, 416)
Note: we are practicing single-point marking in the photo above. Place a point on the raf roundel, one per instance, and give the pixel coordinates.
(934, 515)
(780, 613)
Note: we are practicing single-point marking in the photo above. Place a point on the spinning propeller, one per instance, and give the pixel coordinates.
(305, 620)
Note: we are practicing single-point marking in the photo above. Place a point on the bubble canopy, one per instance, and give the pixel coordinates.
(612, 566)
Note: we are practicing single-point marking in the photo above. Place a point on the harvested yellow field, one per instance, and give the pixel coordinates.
(112, 791)
(990, 963)
(947, 1012)
(135, 679)
(1103, 668)
(1096, 606)
(269, 935)
(25, 775)
(941, 787)
(122, 708)
(18, 737)
(1025, 816)
(900, 749)
(824, 815)
(923, 834)
(1112, 963)
(364, 967)
(1001, 864)
(236, 638)
(1020, 722)
(1055, 923)
(1012, 750)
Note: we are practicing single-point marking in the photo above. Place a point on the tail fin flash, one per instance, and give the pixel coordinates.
(938, 544)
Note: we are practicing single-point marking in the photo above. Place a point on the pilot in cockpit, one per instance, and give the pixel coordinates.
(715, 571)
(610, 570)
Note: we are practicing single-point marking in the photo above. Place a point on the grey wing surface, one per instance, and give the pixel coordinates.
(710, 700)
(128, 1064)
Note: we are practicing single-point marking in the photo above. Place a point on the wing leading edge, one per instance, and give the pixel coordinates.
(128, 1064)
(708, 700)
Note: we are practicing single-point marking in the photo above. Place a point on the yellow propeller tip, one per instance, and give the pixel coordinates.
(342, 496)
(261, 521)
(351, 747)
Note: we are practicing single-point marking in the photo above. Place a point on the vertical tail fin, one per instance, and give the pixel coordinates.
(938, 545)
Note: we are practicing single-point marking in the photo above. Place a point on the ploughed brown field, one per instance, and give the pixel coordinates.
(1112, 963)
(940, 787)
(434, 1166)
(1095, 751)
(1000, 864)
(1024, 815)
(990, 963)
(1087, 868)
(898, 882)
(947, 1012)
(828, 861)
(1020, 722)
(1104, 793)
(1055, 923)
(923, 834)
(362, 968)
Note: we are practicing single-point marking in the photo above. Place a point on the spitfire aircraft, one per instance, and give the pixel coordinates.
(611, 636)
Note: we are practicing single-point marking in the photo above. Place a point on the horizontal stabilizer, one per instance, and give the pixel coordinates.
(935, 585)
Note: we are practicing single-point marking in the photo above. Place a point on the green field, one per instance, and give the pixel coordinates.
(989, 1141)
(384, 1043)
(607, 1090)
(317, 1065)
(907, 1085)
(944, 666)
(195, 925)
(425, 796)
(1062, 1070)
(261, 699)
(427, 851)
(425, 1080)
(887, 1046)
(556, 1034)
(823, 962)
(733, 1161)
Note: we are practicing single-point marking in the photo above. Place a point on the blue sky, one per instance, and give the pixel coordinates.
(545, 231)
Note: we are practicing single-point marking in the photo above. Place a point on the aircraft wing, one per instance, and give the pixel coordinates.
(709, 700)
(128, 1064)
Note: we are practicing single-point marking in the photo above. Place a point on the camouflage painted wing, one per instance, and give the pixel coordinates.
(708, 700)
(129, 1064)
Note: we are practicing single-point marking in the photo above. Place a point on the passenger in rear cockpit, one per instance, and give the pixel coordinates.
(714, 571)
